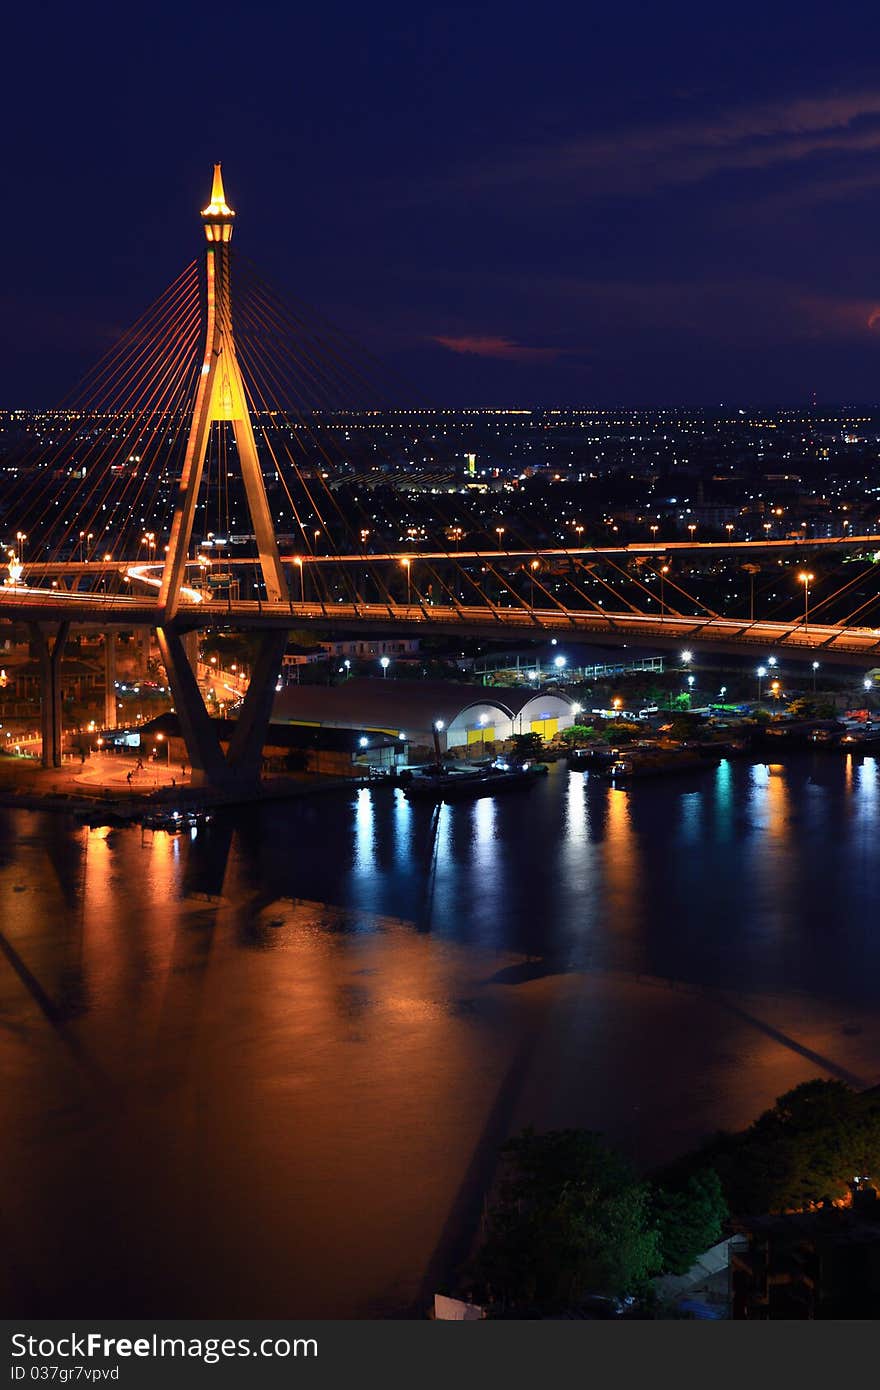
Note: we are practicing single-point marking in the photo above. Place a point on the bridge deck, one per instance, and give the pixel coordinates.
(851, 645)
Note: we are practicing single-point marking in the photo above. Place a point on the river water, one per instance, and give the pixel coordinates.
(265, 1071)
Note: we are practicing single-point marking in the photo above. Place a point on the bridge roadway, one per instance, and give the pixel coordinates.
(846, 645)
(657, 550)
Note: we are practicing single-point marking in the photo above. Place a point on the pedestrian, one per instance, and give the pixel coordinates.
(140, 765)
(174, 781)
(128, 778)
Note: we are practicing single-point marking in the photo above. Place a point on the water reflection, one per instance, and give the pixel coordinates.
(294, 1032)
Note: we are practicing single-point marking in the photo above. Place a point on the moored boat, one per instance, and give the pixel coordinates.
(466, 786)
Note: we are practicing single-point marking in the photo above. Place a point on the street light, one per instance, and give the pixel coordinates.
(687, 658)
(761, 673)
(559, 662)
(384, 662)
(406, 565)
(815, 669)
(297, 560)
(806, 579)
(160, 738)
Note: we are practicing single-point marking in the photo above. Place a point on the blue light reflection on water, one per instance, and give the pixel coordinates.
(755, 875)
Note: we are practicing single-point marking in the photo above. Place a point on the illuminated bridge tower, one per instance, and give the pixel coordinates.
(220, 397)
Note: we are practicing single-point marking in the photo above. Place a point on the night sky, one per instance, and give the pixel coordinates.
(573, 204)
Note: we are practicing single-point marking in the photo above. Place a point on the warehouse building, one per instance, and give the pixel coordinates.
(464, 715)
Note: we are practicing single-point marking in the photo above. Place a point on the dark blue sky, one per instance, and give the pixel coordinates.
(519, 204)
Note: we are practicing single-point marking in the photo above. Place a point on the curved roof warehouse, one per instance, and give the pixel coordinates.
(469, 713)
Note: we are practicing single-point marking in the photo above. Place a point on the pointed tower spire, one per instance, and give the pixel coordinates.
(218, 214)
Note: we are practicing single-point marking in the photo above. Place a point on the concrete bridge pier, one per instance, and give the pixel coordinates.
(50, 649)
(241, 765)
(141, 652)
(110, 716)
(191, 647)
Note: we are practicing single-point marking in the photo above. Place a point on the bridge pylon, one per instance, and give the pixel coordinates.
(220, 396)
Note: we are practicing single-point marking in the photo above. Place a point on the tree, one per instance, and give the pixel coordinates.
(571, 1220)
(529, 745)
(807, 707)
(689, 1220)
(578, 733)
(805, 1150)
(619, 731)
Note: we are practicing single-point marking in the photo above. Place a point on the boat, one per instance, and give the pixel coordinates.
(174, 822)
(467, 786)
(657, 763)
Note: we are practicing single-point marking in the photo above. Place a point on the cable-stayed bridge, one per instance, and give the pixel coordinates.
(199, 424)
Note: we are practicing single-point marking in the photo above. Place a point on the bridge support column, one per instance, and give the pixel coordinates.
(50, 653)
(241, 767)
(110, 719)
(252, 726)
(191, 647)
(198, 728)
(141, 652)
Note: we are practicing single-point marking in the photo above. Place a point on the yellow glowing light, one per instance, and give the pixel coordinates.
(218, 207)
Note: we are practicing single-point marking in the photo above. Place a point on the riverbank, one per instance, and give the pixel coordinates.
(117, 787)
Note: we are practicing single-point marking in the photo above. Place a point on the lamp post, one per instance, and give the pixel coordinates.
(815, 669)
(482, 736)
(384, 662)
(806, 580)
(160, 738)
(664, 570)
(302, 583)
(760, 673)
(407, 565)
(532, 567)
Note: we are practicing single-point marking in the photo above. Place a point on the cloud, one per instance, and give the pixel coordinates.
(640, 159)
(506, 349)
